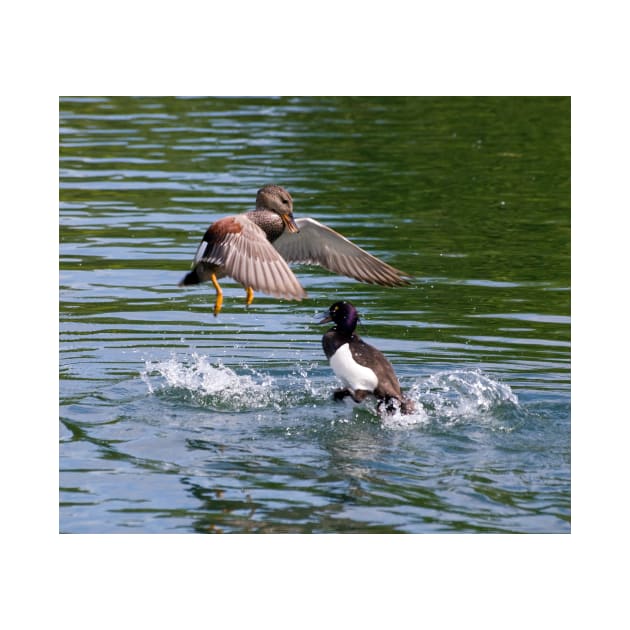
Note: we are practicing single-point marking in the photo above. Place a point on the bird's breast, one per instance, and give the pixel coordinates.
(353, 375)
(270, 223)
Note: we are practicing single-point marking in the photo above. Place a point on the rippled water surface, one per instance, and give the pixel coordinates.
(172, 420)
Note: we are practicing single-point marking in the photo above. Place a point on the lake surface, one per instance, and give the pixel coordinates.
(174, 421)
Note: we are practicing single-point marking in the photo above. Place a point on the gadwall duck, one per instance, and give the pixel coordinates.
(255, 247)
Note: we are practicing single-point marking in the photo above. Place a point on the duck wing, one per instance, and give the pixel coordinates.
(241, 249)
(369, 356)
(317, 244)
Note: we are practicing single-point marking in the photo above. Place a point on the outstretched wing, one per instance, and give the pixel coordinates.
(241, 249)
(317, 244)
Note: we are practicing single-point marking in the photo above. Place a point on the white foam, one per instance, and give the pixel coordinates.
(447, 398)
(399, 420)
(218, 386)
(460, 395)
(217, 383)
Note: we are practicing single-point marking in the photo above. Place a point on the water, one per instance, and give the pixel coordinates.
(172, 420)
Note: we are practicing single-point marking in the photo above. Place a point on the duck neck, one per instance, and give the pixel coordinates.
(268, 220)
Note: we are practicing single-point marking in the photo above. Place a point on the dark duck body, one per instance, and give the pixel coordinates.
(362, 368)
(255, 248)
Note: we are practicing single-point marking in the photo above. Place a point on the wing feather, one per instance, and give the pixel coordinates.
(241, 249)
(317, 244)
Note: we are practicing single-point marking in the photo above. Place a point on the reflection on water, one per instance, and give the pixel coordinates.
(173, 420)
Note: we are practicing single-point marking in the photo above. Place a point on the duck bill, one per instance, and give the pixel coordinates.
(289, 221)
(326, 319)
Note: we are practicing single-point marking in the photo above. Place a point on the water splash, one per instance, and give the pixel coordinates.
(446, 398)
(219, 387)
(457, 396)
(215, 386)
(398, 420)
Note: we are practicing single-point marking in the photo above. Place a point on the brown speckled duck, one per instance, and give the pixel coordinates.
(362, 368)
(255, 247)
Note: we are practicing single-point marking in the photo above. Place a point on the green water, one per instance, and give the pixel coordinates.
(172, 420)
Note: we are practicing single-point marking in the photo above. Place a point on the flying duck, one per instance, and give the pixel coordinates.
(255, 247)
(362, 368)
